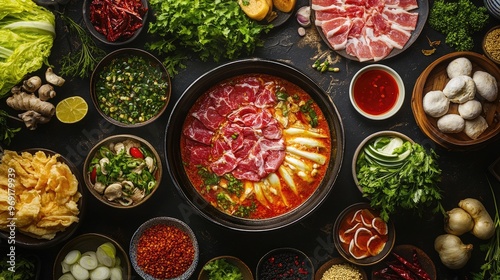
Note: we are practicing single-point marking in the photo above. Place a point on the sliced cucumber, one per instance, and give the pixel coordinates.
(388, 149)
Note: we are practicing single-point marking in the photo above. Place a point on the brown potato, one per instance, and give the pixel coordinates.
(255, 9)
(284, 5)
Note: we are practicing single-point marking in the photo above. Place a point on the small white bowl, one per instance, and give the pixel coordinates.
(395, 106)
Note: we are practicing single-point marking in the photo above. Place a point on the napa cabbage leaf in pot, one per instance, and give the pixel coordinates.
(27, 33)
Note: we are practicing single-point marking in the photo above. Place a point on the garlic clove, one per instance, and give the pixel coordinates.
(304, 16)
(453, 253)
(457, 221)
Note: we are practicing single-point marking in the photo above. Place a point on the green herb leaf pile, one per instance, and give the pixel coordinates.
(220, 269)
(411, 186)
(24, 269)
(213, 29)
(458, 20)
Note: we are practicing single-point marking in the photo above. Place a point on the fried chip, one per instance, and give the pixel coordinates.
(45, 191)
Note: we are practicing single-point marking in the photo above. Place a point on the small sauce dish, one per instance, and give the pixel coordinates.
(377, 92)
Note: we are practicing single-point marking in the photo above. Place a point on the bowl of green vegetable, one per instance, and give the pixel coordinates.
(122, 171)
(225, 266)
(130, 88)
(382, 148)
(92, 256)
(397, 174)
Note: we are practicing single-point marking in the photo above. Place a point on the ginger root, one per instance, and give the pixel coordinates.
(32, 118)
(28, 101)
(31, 96)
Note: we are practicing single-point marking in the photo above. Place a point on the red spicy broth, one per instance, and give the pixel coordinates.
(376, 92)
(255, 146)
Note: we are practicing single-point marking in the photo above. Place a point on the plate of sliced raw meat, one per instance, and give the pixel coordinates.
(369, 30)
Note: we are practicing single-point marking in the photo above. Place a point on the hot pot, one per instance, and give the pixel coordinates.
(180, 110)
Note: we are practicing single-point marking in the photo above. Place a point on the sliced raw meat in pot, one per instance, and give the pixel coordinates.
(208, 115)
(198, 153)
(222, 101)
(195, 130)
(226, 163)
(245, 92)
(265, 98)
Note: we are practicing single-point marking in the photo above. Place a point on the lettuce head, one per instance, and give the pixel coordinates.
(27, 33)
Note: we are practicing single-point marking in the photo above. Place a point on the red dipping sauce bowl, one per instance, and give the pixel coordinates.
(377, 92)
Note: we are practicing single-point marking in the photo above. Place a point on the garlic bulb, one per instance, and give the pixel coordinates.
(452, 252)
(458, 221)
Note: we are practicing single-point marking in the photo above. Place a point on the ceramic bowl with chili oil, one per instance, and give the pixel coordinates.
(130, 88)
(131, 14)
(285, 263)
(377, 92)
(164, 248)
(361, 236)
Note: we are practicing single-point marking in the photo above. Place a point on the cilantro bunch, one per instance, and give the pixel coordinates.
(24, 268)
(212, 29)
(220, 269)
(411, 187)
(458, 20)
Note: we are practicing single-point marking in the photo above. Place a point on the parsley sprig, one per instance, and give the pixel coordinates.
(458, 20)
(212, 29)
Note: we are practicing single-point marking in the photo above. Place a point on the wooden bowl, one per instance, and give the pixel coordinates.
(406, 251)
(434, 77)
(335, 261)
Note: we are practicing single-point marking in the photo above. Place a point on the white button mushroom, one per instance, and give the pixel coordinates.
(113, 191)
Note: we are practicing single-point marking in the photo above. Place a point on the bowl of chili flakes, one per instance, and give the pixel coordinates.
(115, 23)
(164, 248)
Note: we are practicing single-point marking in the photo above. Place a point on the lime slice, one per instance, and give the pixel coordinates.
(71, 109)
(106, 254)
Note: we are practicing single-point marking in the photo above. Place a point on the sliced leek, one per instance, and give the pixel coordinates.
(318, 158)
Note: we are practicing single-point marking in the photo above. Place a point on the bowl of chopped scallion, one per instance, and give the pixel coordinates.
(225, 267)
(130, 88)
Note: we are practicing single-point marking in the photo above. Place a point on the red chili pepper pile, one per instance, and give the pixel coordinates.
(164, 251)
(117, 19)
(401, 268)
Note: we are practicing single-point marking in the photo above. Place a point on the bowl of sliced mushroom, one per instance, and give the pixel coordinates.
(122, 171)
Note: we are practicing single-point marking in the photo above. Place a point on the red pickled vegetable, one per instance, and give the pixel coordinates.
(117, 19)
(93, 175)
(422, 274)
(136, 152)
